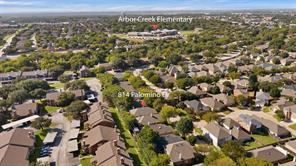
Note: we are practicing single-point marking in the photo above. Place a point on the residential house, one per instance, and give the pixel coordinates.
(281, 104)
(162, 129)
(267, 66)
(196, 106)
(213, 69)
(286, 61)
(37, 74)
(288, 92)
(229, 123)
(216, 133)
(25, 110)
(270, 154)
(291, 145)
(225, 99)
(290, 112)
(112, 153)
(241, 84)
(240, 92)
(212, 103)
(52, 98)
(174, 71)
(97, 136)
(84, 71)
(205, 87)
(181, 153)
(169, 139)
(100, 117)
(262, 99)
(239, 134)
(249, 123)
(196, 91)
(16, 146)
(272, 127)
(146, 115)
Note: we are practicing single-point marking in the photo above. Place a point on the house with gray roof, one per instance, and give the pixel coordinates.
(262, 99)
(181, 153)
(216, 133)
(196, 91)
(249, 123)
(196, 106)
(272, 127)
(270, 154)
(225, 99)
(212, 103)
(239, 134)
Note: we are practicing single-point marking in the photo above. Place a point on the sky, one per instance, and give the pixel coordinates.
(20, 6)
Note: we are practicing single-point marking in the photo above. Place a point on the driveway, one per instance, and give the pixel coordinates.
(96, 86)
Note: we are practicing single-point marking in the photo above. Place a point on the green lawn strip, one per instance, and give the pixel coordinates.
(87, 78)
(129, 140)
(39, 137)
(186, 33)
(51, 109)
(85, 161)
(260, 140)
(293, 126)
(266, 109)
(57, 85)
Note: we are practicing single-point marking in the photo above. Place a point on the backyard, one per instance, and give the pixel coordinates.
(259, 140)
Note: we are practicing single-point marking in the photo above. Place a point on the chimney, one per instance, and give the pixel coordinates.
(180, 156)
(151, 114)
(31, 134)
(121, 160)
(114, 142)
(118, 151)
(83, 143)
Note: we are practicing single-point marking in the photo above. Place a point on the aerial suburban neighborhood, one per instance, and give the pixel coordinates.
(202, 88)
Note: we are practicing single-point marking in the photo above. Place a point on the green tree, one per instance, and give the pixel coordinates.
(253, 162)
(210, 116)
(253, 82)
(65, 99)
(167, 112)
(225, 161)
(160, 160)
(77, 85)
(41, 123)
(275, 92)
(184, 126)
(75, 108)
(18, 96)
(233, 149)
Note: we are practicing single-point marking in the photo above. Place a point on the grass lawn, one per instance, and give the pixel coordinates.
(260, 140)
(85, 161)
(39, 137)
(57, 85)
(186, 33)
(266, 109)
(51, 109)
(129, 140)
(293, 126)
(87, 78)
(198, 131)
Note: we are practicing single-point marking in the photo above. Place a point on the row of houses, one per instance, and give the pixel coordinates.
(102, 139)
(241, 130)
(7, 78)
(16, 146)
(180, 151)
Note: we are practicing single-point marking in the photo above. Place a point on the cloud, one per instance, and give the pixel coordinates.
(19, 3)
